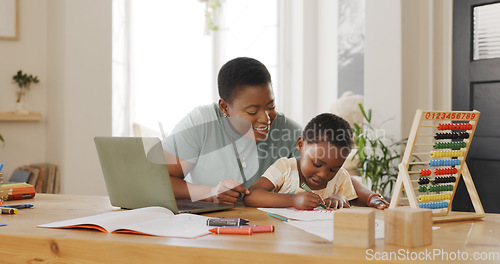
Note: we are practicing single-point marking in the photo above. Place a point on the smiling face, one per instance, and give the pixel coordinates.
(319, 163)
(252, 110)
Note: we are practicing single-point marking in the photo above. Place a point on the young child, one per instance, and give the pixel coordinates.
(317, 178)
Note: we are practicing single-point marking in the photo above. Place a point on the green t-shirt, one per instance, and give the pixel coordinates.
(205, 139)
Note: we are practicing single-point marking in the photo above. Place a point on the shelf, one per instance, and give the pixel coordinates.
(12, 116)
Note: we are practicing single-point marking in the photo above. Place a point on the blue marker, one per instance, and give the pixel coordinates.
(18, 206)
(1, 166)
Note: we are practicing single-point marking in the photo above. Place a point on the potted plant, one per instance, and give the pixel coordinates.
(23, 82)
(378, 156)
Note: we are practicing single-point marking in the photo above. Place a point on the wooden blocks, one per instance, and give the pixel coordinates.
(409, 227)
(354, 227)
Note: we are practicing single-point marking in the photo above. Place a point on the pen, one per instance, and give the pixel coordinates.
(1, 166)
(307, 189)
(18, 206)
(232, 231)
(226, 221)
(279, 217)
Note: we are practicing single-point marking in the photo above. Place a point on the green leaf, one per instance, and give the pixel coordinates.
(377, 156)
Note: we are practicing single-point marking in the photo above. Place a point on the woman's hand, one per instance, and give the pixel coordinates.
(306, 200)
(378, 202)
(336, 201)
(228, 192)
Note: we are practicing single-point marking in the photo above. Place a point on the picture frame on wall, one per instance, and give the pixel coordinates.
(9, 15)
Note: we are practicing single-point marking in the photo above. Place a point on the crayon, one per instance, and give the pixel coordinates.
(226, 221)
(232, 231)
(255, 228)
(262, 229)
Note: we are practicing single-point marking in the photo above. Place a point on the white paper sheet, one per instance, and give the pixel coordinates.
(303, 215)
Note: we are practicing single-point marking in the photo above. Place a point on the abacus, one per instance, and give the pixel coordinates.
(434, 162)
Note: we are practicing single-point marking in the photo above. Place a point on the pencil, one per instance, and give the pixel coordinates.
(279, 217)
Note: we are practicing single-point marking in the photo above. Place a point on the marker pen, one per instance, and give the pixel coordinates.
(226, 221)
(9, 210)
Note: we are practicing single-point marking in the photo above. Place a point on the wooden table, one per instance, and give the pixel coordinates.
(22, 242)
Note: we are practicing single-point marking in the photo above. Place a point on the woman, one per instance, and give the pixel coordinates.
(217, 151)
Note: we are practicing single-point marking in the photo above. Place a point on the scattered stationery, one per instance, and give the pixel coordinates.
(154, 221)
(226, 222)
(2, 224)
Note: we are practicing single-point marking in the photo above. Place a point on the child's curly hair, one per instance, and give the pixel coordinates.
(330, 128)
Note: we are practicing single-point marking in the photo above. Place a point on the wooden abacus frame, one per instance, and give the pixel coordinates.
(404, 181)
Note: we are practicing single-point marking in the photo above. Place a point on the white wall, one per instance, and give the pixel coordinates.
(407, 60)
(24, 141)
(383, 64)
(79, 97)
(67, 43)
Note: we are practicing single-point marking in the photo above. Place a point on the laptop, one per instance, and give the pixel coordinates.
(136, 176)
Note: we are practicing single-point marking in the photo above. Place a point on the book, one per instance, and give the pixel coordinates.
(152, 221)
(45, 177)
(57, 188)
(34, 174)
(20, 176)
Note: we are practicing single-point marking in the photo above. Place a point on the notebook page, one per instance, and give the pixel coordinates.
(114, 220)
(304, 215)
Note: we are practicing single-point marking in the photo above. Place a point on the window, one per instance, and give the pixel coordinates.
(163, 63)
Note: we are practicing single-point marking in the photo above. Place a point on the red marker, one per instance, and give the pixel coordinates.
(262, 229)
(233, 231)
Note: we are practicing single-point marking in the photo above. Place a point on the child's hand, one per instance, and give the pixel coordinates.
(337, 201)
(378, 202)
(306, 200)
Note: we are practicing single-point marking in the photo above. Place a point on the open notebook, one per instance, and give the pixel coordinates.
(154, 221)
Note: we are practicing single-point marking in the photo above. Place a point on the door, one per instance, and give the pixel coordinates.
(476, 85)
